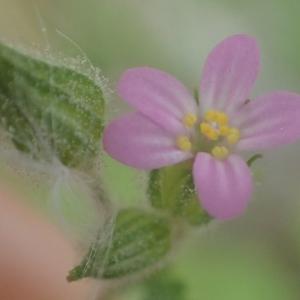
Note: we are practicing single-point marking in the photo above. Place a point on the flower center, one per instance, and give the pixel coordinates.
(215, 128)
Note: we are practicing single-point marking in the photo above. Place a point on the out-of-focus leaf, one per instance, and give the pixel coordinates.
(171, 189)
(48, 110)
(164, 286)
(134, 241)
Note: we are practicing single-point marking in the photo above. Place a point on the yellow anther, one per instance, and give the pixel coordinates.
(216, 116)
(215, 125)
(189, 120)
(233, 136)
(208, 131)
(210, 116)
(220, 152)
(205, 128)
(224, 130)
(221, 118)
(213, 134)
(183, 143)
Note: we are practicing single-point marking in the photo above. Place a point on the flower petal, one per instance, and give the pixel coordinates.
(224, 187)
(270, 120)
(229, 73)
(138, 142)
(157, 95)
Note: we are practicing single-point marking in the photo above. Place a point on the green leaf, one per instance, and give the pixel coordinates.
(134, 241)
(171, 189)
(49, 110)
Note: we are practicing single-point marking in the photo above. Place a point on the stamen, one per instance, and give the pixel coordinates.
(183, 143)
(224, 130)
(210, 116)
(208, 131)
(220, 152)
(189, 120)
(221, 118)
(216, 116)
(233, 136)
(205, 128)
(216, 125)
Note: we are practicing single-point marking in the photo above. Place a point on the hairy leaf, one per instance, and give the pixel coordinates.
(49, 111)
(171, 189)
(137, 240)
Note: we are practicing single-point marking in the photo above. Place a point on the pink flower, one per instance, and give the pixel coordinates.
(169, 126)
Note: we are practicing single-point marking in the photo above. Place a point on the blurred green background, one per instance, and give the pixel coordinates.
(256, 256)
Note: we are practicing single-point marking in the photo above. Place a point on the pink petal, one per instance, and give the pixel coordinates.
(270, 120)
(138, 142)
(229, 73)
(157, 95)
(224, 187)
